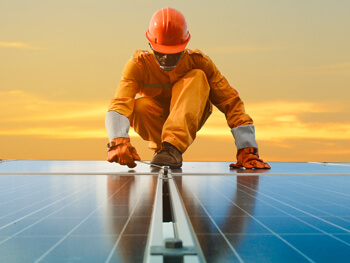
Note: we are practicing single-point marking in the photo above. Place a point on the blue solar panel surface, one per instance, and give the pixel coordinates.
(93, 211)
(270, 219)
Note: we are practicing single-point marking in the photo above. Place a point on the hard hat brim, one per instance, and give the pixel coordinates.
(168, 49)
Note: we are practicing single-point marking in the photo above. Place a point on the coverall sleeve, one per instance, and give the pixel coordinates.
(129, 85)
(223, 95)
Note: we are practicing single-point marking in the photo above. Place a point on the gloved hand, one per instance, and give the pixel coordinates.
(121, 151)
(249, 158)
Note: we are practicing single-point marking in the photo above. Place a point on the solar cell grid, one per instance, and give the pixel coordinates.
(76, 218)
(79, 211)
(270, 218)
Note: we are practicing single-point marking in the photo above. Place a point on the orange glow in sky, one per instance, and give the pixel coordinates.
(60, 63)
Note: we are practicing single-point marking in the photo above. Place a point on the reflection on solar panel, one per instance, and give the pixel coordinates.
(94, 211)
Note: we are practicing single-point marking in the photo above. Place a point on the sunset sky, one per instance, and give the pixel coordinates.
(61, 61)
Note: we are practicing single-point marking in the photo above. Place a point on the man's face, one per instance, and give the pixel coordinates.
(167, 61)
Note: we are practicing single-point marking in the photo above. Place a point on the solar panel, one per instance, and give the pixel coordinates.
(94, 211)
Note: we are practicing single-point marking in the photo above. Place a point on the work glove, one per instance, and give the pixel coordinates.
(249, 158)
(121, 151)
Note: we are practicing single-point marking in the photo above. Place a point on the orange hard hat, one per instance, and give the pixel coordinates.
(167, 32)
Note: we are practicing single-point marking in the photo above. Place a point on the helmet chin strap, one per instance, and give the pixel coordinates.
(167, 68)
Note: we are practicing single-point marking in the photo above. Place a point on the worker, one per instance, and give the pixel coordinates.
(166, 94)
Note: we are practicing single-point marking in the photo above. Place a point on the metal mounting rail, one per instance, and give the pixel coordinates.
(171, 237)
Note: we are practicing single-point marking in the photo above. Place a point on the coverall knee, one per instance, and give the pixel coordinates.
(190, 107)
(148, 119)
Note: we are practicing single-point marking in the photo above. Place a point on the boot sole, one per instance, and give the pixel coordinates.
(172, 166)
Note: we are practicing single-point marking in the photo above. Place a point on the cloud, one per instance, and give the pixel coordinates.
(239, 49)
(283, 120)
(331, 69)
(21, 106)
(63, 132)
(29, 114)
(18, 45)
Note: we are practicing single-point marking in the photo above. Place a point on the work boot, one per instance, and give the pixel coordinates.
(168, 155)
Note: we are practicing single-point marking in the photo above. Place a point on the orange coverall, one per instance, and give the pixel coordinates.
(175, 104)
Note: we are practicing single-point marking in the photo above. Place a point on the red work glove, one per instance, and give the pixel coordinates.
(121, 151)
(249, 158)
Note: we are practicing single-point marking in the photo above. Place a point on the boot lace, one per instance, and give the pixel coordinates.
(167, 147)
